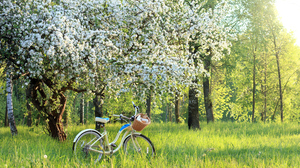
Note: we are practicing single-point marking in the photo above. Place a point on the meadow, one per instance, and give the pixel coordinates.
(222, 144)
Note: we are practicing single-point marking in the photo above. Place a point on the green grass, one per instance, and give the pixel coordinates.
(216, 145)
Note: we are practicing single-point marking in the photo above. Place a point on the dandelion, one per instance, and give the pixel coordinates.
(45, 156)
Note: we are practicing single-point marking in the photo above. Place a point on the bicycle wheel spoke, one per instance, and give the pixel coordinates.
(83, 146)
(139, 146)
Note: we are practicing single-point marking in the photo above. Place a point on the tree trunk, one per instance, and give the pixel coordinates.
(81, 110)
(177, 108)
(10, 114)
(46, 106)
(87, 112)
(170, 112)
(29, 117)
(254, 88)
(98, 103)
(55, 124)
(6, 118)
(148, 110)
(265, 90)
(280, 89)
(207, 92)
(207, 101)
(167, 108)
(193, 114)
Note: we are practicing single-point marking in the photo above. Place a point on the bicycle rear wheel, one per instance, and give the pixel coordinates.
(82, 147)
(140, 146)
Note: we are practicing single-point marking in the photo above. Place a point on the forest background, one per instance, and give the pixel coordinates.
(256, 82)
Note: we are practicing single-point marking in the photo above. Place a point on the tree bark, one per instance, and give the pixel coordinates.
(6, 117)
(170, 112)
(55, 124)
(81, 110)
(167, 108)
(279, 79)
(254, 89)
(148, 102)
(44, 105)
(10, 112)
(207, 92)
(265, 90)
(98, 103)
(177, 108)
(280, 89)
(87, 112)
(207, 101)
(193, 114)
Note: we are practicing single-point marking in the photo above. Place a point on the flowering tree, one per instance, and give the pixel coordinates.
(96, 45)
(207, 45)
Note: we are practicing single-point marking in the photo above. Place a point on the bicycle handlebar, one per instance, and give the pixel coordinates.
(135, 107)
(121, 115)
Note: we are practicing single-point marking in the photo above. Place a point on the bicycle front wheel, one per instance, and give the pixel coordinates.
(139, 146)
(84, 146)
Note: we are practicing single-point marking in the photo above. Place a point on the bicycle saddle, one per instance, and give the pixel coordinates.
(102, 120)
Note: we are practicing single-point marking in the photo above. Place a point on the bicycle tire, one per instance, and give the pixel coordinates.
(145, 146)
(82, 145)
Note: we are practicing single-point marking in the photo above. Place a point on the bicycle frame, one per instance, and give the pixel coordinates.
(107, 144)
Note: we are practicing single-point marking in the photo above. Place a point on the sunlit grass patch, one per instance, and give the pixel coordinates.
(216, 145)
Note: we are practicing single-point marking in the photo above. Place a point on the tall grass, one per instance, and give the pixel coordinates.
(216, 145)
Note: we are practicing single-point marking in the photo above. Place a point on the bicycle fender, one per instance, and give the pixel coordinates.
(83, 131)
(136, 133)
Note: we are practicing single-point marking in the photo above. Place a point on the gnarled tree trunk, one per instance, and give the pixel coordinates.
(53, 113)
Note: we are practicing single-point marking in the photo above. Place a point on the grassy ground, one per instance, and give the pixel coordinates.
(216, 145)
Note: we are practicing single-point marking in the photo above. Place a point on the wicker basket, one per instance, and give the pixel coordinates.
(139, 125)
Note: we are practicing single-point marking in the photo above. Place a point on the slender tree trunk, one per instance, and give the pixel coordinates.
(148, 102)
(193, 113)
(170, 112)
(207, 92)
(167, 108)
(81, 110)
(177, 108)
(265, 89)
(9, 87)
(6, 118)
(87, 112)
(254, 89)
(280, 89)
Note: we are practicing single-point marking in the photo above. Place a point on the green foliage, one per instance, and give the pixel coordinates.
(217, 145)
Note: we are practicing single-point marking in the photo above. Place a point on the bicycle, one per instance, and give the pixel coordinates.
(90, 145)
